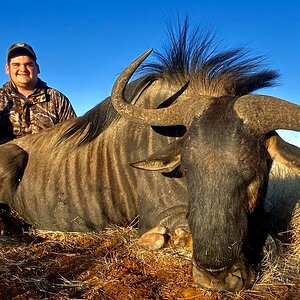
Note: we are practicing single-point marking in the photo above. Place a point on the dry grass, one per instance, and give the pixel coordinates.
(111, 265)
(285, 269)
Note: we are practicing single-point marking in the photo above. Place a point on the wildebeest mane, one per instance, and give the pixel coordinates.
(191, 58)
(97, 119)
(194, 57)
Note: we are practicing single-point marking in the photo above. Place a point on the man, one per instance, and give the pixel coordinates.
(27, 104)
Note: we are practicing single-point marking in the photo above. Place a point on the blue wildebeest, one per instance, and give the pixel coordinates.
(194, 123)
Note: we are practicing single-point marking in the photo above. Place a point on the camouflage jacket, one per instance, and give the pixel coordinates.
(20, 115)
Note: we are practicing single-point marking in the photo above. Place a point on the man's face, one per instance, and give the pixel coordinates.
(23, 72)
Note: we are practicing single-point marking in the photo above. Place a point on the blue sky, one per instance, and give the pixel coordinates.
(83, 46)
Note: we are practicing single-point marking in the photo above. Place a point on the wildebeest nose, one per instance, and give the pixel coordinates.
(233, 279)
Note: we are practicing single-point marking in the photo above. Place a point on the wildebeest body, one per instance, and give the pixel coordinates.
(86, 188)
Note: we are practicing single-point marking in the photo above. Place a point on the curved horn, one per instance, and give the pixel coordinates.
(156, 117)
(265, 113)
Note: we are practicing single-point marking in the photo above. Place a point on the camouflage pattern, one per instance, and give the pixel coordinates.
(20, 116)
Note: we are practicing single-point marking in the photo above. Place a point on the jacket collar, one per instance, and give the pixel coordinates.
(39, 94)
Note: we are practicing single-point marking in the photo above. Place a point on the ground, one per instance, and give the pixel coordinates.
(112, 265)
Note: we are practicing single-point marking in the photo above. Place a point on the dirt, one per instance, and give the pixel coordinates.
(110, 265)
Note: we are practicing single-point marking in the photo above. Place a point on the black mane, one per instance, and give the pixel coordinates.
(189, 58)
(194, 58)
(97, 119)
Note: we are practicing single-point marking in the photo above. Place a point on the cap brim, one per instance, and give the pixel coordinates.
(20, 51)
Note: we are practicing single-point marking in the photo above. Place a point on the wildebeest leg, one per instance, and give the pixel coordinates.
(163, 219)
(13, 161)
(174, 231)
(167, 202)
(167, 206)
(170, 217)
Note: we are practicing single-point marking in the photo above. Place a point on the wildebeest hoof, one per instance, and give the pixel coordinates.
(234, 281)
(153, 239)
(183, 238)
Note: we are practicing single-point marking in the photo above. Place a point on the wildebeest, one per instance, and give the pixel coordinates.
(194, 123)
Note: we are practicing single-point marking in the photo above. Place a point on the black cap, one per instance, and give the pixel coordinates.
(19, 49)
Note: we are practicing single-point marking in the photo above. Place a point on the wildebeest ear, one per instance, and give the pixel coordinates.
(175, 173)
(283, 152)
(172, 131)
(168, 157)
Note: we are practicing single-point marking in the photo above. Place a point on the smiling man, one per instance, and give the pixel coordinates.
(27, 104)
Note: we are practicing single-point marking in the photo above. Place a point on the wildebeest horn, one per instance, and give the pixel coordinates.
(156, 117)
(265, 113)
(260, 113)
